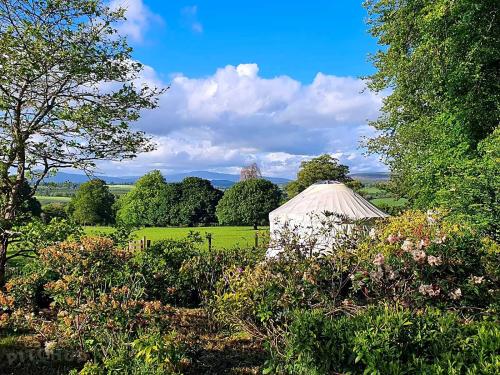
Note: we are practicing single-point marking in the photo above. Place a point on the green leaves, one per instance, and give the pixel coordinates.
(438, 60)
(248, 202)
(324, 167)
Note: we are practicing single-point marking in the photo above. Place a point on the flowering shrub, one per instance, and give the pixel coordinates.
(160, 265)
(418, 259)
(98, 303)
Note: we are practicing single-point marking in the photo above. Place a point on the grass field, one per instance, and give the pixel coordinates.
(120, 189)
(43, 199)
(222, 237)
(392, 202)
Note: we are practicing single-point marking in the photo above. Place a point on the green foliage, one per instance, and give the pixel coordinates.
(154, 202)
(324, 167)
(36, 235)
(147, 203)
(197, 202)
(179, 272)
(92, 203)
(248, 203)
(53, 211)
(437, 131)
(160, 265)
(388, 340)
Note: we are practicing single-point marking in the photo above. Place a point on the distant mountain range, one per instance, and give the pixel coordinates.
(371, 176)
(222, 180)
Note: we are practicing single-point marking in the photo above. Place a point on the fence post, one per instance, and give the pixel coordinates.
(209, 238)
(256, 239)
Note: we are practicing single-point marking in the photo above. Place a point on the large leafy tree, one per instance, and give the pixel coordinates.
(198, 202)
(324, 167)
(248, 203)
(66, 95)
(439, 62)
(149, 202)
(92, 203)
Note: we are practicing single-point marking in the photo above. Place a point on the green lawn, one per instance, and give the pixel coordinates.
(43, 199)
(120, 189)
(222, 237)
(392, 202)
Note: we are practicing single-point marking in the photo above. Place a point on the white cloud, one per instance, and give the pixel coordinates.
(190, 18)
(139, 18)
(235, 116)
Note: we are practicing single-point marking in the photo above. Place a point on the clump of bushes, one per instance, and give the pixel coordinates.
(387, 340)
(98, 307)
(179, 272)
(416, 261)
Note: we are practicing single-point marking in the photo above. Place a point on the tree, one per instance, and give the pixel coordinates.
(147, 204)
(198, 202)
(248, 203)
(250, 171)
(439, 62)
(54, 210)
(324, 167)
(66, 95)
(92, 204)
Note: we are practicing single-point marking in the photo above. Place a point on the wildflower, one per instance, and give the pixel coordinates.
(456, 294)
(430, 216)
(373, 234)
(434, 261)
(419, 256)
(429, 289)
(392, 239)
(477, 279)
(379, 260)
(407, 245)
(423, 243)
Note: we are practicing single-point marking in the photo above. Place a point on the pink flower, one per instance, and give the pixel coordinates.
(379, 260)
(434, 261)
(392, 239)
(419, 256)
(407, 245)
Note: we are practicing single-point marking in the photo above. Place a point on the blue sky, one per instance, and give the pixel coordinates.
(272, 82)
(296, 38)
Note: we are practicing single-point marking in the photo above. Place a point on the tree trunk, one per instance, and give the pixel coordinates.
(4, 242)
(255, 226)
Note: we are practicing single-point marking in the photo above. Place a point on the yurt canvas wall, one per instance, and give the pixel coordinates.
(304, 215)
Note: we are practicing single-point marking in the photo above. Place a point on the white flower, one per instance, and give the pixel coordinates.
(407, 245)
(434, 261)
(423, 243)
(456, 294)
(379, 260)
(419, 256)
(429, 290)
(477, 279)
(431, 216)
(373, 234)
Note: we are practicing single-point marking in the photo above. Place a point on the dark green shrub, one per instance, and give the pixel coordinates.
(383, 340)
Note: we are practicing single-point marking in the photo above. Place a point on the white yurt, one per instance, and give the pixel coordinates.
(306, 213)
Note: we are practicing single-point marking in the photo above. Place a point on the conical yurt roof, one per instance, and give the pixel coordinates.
(330, 196)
